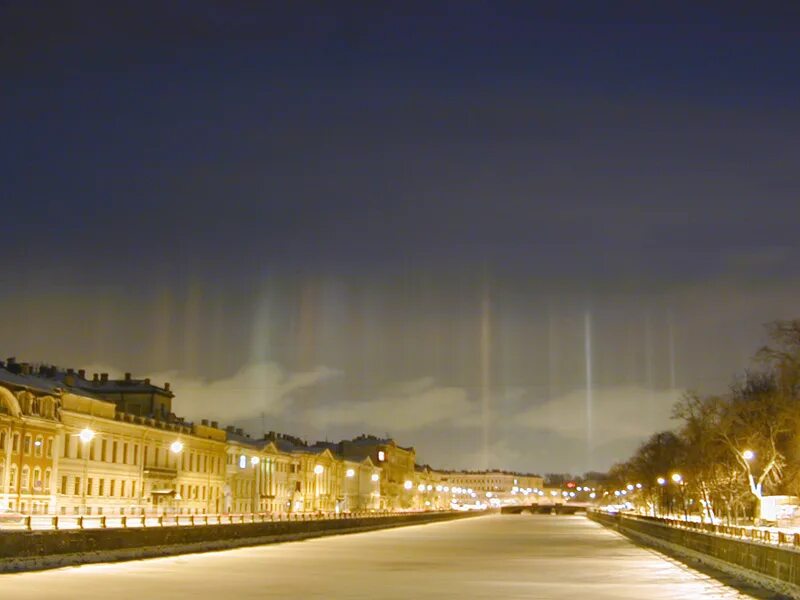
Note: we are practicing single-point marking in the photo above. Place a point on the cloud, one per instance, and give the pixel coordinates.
(257, 388)
(401, 407)
(618, 413)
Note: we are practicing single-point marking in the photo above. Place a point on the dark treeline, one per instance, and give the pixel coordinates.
(728, 451)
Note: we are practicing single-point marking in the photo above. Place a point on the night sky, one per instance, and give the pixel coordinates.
(464, 224)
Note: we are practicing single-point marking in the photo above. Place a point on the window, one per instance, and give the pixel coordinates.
(89, 486)
(37, 478)
(26, 445)
(77, 489)
(25, 480)
(101, 484)
(111, 485)
(2, 474)
(49, 451)
(63, 485)
(38, 445)
(3, 441)
(15, 443)
(122, 488)
(65, 446)
(114, 448)
(135, 454)
(103, 449)
(124, 454)
(91, 450)
(133, 489)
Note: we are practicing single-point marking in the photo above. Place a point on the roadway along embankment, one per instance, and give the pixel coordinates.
(32, 550)
(766, 565)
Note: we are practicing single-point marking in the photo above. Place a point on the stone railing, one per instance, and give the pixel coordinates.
(767, 558)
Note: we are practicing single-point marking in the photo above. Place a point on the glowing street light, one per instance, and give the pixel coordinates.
(86, 435)
(176, 447)
(350, 473)
(318, 470)
(748, 455)
(629, 486)
(375, 477)
(661, 481)
(676, 477)
(408, 485)
(254, 460)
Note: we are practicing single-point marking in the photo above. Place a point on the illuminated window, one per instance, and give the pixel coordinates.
(26, 445)
(242, 462)
(381, 455)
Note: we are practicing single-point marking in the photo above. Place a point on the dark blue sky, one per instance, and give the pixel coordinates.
(329, 190)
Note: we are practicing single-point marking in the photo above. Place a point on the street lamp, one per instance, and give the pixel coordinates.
(318, 470)
(86, 436)
(661, 481)
(255, 460)
(676, 477)
(748, 455)
(176, 447)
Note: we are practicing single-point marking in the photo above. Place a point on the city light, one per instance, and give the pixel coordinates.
(421, 487)
(748, 455)
(318, 469)
(351, 473)
(676, 477)
(176, 447)
(661, 481)
(86, 435)
(381, 455)
(375, 477)
(408, 484)
(254, 460)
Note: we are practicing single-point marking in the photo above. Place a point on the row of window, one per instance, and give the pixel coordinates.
(29, 480)
(31, 446)
(114, 451)
(121, 488)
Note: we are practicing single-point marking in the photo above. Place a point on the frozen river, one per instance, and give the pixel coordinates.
(499, 557)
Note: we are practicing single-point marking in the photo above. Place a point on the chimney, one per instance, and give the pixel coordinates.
(229, 428)
(166, 386)
(127, 377)
(26, 368)
(239, 431)
(204, 422)
(70, 371)
(147, 381)
(82, 373)
(215, 424)
(103, 377)
(96, 378)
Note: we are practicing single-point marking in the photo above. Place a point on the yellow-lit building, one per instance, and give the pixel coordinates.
(29, 426)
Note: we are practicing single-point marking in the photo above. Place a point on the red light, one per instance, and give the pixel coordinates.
(571, 484)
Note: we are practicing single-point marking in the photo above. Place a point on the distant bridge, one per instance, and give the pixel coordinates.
(546, 509)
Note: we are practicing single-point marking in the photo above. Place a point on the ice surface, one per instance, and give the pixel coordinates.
(499, 557)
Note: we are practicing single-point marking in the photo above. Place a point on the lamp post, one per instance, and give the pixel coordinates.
(176, 448)
(255, 462)
(86, 436)
(318, 471)
(661, 483)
